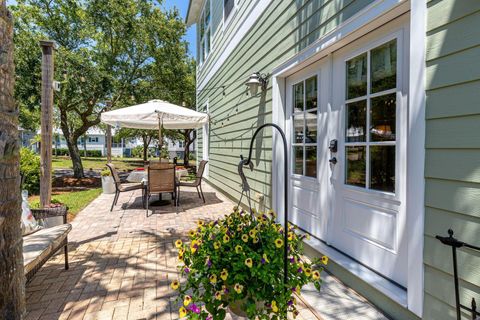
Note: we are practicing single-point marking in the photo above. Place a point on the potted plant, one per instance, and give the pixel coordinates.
(238, 262)
(108, 184)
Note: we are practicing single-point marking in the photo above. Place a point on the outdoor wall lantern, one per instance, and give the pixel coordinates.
(255, 81)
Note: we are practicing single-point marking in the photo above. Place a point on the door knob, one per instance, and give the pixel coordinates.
(333, 160)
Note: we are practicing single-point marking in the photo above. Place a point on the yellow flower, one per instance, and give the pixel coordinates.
(226, 238)
(182, 312)
(239, 228)
(224, 274)
(295, 314)
(256, 239)
(230, 220)
(324, 260)
(200, 223)
(216, 245)
(265, 258)
(238, 249)
(271, 213)
(213, 279)
(291, 236)
(244, 238)
(274, 306)
(180, 256)
(178, 244)
(238, 288)
(218, 295)
(279, 243)
(308, 272)
(252, 233)
(315, 275)
(192, 233)
(249, 262)
(194, 246)
(187, 300)
(307, 236)
(175, 284)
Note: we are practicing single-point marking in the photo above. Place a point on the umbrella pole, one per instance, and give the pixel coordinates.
(160, 137)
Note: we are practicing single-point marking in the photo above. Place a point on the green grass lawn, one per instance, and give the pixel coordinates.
(99, 163)
(75, 200)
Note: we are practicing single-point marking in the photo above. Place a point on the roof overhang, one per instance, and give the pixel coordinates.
(194, 11)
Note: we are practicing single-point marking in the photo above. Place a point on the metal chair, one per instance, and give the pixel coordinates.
(122, 187)
(161, 179)
(195, 184)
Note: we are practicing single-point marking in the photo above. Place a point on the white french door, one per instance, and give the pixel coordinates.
(369, 111)
(306, 130)
(353, 197)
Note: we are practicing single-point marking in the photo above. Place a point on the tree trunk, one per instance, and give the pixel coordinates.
(12, 279)
(76, 159)
(146, 144)
(189, 139)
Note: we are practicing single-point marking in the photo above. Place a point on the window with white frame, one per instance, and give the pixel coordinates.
(228, 6)
(304, 127)
(370, 119)
(205, 32)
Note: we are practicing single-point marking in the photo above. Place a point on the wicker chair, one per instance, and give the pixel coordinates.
(195, 184)
(123, 187)
(161, 179)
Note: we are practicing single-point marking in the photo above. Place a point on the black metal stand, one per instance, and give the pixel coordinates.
(455, 244)
(246, 188)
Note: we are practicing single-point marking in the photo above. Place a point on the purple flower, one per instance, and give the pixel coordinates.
(194, 308)
(300, 270)
(209, 318)
(187, 270)
(263, 261)
(226, 290)
(292, 260)
(209, 263)
(294, 289)
(290, 302)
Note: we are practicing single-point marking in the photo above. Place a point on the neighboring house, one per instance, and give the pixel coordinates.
(379, 103)
(177, 148)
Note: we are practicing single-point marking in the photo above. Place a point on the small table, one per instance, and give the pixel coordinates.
(142, 176)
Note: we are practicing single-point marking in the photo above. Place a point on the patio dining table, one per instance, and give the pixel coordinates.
(142, 176)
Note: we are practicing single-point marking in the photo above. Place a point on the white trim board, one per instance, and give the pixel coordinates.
(370, 18)
(254, 13)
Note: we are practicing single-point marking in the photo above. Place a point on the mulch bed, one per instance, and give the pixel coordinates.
(70, 182)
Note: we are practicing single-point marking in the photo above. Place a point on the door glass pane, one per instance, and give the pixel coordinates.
(207, 43)
(383, 67)
(298, 157)
(356, 121)
(298, 97)
(298, 128)
(311, 126)
(311, 161)
(311, 92)
(383, 118)
(357, 76)
(382, 168)
(355, 166)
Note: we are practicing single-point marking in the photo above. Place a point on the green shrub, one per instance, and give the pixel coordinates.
(30, 168)
(61, 152)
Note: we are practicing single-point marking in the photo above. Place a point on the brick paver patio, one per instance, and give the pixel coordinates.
(122, 262)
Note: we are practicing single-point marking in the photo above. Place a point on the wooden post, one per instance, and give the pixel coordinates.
(48, 48)
(109, 136)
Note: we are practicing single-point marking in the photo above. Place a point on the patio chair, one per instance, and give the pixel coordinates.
(161, 179)
(195, 184)
(123, 187)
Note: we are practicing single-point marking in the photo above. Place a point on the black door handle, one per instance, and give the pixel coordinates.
(333, 160)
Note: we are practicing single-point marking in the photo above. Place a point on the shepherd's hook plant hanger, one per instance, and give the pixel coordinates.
(246, 188)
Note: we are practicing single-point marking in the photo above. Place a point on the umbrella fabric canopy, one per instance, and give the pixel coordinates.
(154, 113)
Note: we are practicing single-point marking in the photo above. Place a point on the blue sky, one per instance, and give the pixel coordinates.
(182, 6)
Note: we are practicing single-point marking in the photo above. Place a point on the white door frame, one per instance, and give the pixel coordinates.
(205, 141)
(373, 16)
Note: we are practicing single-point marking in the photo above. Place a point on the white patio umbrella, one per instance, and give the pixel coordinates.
(155, 114)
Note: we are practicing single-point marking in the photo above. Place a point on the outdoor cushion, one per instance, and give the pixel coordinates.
(39, 245)
(130, 186)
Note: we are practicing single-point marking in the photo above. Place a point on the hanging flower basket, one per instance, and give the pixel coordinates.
(237, 263)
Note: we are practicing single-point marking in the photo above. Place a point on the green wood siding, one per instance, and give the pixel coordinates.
(284, 29)
(452, 169)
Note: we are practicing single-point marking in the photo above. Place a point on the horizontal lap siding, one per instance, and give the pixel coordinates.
(285, 28)
(452, 169)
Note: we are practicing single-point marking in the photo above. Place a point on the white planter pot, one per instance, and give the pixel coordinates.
(108, 185)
